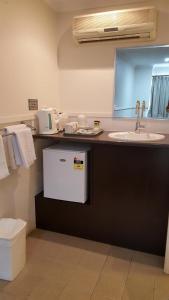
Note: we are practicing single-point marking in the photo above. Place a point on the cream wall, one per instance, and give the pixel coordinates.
(28, 55)
(87, 71)
(18, 190)
(28, 68)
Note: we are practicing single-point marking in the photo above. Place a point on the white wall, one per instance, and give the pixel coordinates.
(124, 83)
(161, 70)
(28, 55)
(28, 68)
(18, 190)
(87, 71)
(142, 84)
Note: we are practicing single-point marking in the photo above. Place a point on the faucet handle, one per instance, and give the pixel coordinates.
(143, 105)
(137, 106)
(143, 108)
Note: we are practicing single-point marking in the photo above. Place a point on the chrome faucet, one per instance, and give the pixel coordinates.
(139, 126)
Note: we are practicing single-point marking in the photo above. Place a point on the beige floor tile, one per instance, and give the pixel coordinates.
(101, 296)
(23, 285)
(49, 289)
(110, 287)
(48, 268)
(114, 275)
(146, 267)
(141, 279)
(139, 286)
(119, 261)
(162, 287)
(92, 261)
(83, 281)
(3, 283)
(5, 296)
(62, 267)
(137, 295)
(38, 249)
(68, 254)
(75, 295)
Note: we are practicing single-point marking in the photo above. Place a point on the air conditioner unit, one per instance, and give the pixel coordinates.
(137, 24)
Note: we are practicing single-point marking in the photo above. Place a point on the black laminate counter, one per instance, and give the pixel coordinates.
(103, 138)
(128, 195)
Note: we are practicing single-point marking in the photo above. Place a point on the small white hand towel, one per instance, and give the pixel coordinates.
(14, 153)
(13, 164)
(4, 172)
(22, 145)
(26, 146)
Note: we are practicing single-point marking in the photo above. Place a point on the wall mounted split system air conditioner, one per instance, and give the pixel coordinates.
(135, 24)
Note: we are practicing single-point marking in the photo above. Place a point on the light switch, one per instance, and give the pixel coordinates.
(33, 104)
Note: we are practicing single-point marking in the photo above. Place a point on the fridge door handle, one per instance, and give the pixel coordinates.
(62, 159)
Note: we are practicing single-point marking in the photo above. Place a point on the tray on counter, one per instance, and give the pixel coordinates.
(87, 132)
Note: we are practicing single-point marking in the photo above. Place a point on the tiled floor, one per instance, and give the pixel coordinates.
(69, 268)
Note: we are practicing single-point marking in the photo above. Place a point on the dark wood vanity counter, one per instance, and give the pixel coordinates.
(128, 200)
(103, 138)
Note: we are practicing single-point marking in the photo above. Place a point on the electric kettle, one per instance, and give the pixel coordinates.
(47, 124)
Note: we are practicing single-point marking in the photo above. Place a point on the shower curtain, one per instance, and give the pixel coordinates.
(159, 97)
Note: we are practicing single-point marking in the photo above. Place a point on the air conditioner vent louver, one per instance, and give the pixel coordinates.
(111, 29)
(120, 24)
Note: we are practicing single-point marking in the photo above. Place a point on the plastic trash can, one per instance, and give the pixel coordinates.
(12, 247)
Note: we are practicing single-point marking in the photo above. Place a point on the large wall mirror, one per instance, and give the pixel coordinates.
(142, 74)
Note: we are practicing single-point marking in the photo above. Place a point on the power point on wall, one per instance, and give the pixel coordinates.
(33, 104)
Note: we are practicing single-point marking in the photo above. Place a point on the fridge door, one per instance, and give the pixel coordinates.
(65, 175)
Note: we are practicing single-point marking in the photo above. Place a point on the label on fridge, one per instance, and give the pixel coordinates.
(78, 164)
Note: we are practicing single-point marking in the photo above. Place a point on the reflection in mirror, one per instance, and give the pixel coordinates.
(142, 74)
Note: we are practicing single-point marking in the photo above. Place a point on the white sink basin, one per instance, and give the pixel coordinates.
(136, 137)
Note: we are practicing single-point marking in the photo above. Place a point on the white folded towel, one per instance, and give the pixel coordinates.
(26, 146)
(14, 153)
(12, 160)
(4, 172)
(21, 145)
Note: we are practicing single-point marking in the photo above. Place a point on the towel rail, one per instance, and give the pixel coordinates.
(13, 133)
(7, 134)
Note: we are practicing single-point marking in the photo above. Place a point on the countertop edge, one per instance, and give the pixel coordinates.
(103, 139)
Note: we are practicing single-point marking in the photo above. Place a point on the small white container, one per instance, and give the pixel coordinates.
(82, 120)
(12, 247)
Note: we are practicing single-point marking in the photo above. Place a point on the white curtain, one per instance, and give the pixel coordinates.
(159, 97)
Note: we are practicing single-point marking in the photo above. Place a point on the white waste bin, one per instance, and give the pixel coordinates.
(12, 247)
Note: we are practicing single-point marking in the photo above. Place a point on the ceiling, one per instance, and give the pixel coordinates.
(144, 56)
(73, 5)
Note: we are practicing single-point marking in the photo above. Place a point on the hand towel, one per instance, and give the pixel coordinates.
(4, 172)
(13, 164)
(14, 153)
(21, 145)
(5, 141)
(26, 146)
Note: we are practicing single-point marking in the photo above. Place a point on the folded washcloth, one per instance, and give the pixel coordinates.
(4, 172)
(21, 145)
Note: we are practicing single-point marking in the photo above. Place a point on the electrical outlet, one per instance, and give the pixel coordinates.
(33, 104)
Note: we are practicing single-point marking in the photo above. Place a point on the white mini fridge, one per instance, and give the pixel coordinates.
(65, 172)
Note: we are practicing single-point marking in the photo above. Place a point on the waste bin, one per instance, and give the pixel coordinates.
(12, 247)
